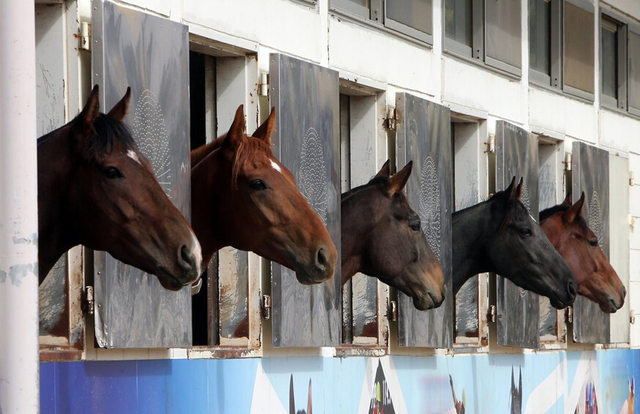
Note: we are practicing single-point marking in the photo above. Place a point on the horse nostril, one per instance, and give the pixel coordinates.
(571, 289)
(321, 259)
(188, 259)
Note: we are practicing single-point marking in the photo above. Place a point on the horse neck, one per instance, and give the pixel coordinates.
(56, 232)
(473, 229)
(206, 194)
(354, 231)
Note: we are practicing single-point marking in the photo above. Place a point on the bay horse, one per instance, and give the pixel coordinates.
(243, 197)
(382, 237)
(500, 236)
(567, 230)
(95, 188)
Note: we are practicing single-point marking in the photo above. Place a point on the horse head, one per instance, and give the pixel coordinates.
(245, 198)
(569, 233)
(382, 237)
(97, 189)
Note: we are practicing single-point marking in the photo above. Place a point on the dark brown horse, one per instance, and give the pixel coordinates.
(569, 233)
(95, 188)
(500, 236)
(243, 197)
(382, 237)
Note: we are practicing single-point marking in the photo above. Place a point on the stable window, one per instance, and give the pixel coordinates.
(362, 153)
(471, 329)
(578, 50)
(545, 42)
(486, 31)
(552, 327)
(413, 18)
(226, 311)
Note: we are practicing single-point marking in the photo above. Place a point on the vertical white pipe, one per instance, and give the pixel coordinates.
(19, 364)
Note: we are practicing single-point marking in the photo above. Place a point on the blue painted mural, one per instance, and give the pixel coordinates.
(553, 382)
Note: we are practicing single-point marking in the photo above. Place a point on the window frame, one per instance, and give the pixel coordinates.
(479, 39)
(622, 60)
(554, 80)
(376, 16)
(571, 90)
(632, 29)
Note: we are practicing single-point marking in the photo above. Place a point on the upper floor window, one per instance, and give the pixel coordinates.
(578, 51)
(487, 31)
(410, 17)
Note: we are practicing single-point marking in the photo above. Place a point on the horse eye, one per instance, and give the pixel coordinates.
(526, 232)
(414, 225)
(593, 243)
(258, 185)
(112, 173)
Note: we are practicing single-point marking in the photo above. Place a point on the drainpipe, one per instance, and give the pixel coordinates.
(19, 359)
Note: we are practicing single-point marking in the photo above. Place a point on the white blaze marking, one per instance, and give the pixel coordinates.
(534, 220)
(275, 166)
(131, 154)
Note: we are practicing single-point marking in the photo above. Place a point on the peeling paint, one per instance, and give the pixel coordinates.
(33, 239)
(18, 272)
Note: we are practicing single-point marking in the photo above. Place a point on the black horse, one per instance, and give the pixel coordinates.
(500, 236)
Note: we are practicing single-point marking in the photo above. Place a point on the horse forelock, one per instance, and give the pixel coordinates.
(248, 150)
(579, 220)
(105, 132)
(515, 209)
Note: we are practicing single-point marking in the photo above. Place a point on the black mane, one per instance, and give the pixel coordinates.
(545, 214)
(106, 131)
(372, 182)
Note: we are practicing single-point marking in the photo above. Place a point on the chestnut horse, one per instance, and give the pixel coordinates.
(382, 237)
(499, 235)
(243, 197)
(569, 233)
(95, 188)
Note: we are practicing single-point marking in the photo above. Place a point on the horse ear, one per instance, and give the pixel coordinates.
(511, 189)
(567, 201)
(119, 111)
(575, 210)
(236, 130)
(265, 130)
(84, 121)
(399, 180)
(519, 190)
(385, 171)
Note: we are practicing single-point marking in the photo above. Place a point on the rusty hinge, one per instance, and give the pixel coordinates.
(569, 314)
(390, 120)
(264, 84)
(490, 145)
(392, 311)
(87, 300)
(491, 315)
(85, 36)
(567, 161)
(265, 307)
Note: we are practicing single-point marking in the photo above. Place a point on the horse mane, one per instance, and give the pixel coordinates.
(356, 190)
(247, 149)
(103, 134)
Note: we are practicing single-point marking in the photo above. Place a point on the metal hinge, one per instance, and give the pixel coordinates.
(263, 86)
(569, 314)
(87, 300)
(85, 36)
(265, 307)
(490, 145)
(391, 119)
(567, 161)
(392, 311)
(491, 315)
(632, 179)
(632, 319)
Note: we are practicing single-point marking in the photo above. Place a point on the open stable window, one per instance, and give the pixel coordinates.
(613, 62)
(553, 330)
(413, 18)
(578, 49)
(362, 153)
(487, 31)
(545, 27)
